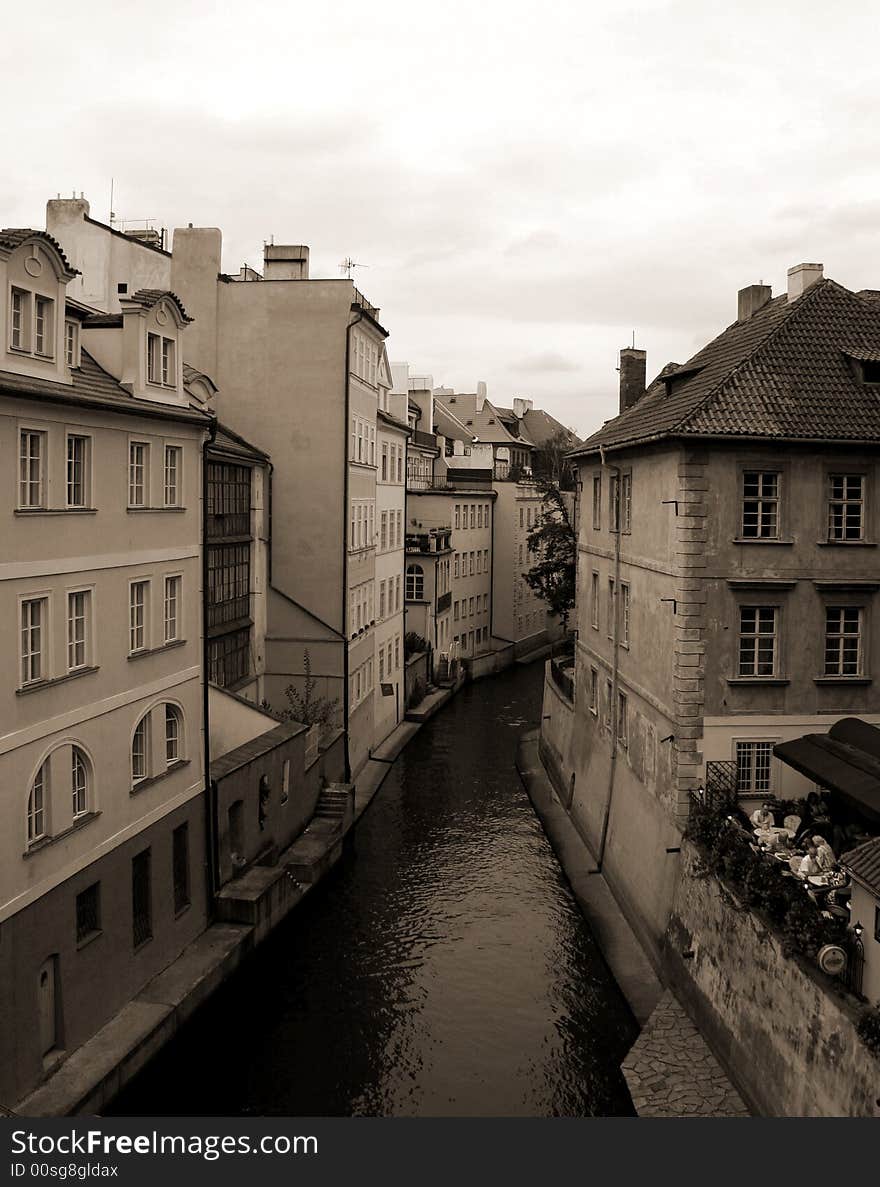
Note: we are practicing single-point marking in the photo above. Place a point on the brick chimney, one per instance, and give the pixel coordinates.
(750, 300)
(633, 370)
(285, 261)
(801, 277)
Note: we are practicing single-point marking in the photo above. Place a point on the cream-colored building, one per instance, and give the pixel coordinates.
(102, 845)
(302, 372)
(391, 446)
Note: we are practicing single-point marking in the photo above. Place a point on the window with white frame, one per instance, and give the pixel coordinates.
(594, 692)
(78, 629)
(843, 640)
(614, 503)
(32, 468)
(760, 505)
(138, 473)
(44, 327)
(138, 616)
(753, 767)
(34, 639)
(457, 519)
(594, 600)
(415, 583)
(154, 358)
(37, 806)
(399, 521)
(78, 448)
(611, 608)
(846, 507)
(384, 471)
(173, 735)
(609, 704)
(172, 608)
(381, 600)
(172, 483)
(20, 328)
(626, 503)
(624, 614)
(79, 782)
(169, 371)
(398, 586)
(71, 344)
(140, 750)
(758, 640)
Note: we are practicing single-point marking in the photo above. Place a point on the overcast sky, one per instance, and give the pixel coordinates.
(527, 183)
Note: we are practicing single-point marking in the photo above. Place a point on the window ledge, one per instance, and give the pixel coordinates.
(846, 544)
(45, 842)
(40, 684)
(774, 681)
(761, 540)
(156, 650)
(165, 510)
(150, 780)
(89, 939)
(178, 914)
(25, 511)
(841, 679)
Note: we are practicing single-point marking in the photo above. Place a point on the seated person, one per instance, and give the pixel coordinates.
(825, 858)
(763, 818)
(809, 865)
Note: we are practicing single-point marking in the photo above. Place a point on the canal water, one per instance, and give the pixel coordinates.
(443, 968)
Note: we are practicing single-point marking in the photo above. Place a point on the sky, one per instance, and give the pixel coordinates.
(524, 186)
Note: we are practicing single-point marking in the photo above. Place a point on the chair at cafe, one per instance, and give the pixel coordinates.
(792, 822)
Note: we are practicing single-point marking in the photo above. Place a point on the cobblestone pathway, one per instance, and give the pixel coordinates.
(672, 1073)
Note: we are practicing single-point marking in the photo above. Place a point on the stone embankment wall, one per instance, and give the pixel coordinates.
(785, 1031)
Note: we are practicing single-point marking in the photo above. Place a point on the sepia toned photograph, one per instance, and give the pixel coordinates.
(439, 574)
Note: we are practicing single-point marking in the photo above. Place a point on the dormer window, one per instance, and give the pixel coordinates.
(20, 322)
(44, 335)
(160, 360)
(30, 313)
(71, 343)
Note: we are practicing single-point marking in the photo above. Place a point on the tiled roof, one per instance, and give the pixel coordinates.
(864, 863)
(12, 237)
(149, 297)
(783, 373)
(487, 424)
(92, 386)
(226, 441)
(447, 424)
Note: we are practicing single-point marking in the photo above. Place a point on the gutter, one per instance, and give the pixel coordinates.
(606, 815)
(345, 681)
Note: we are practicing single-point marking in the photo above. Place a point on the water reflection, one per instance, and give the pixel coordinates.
(442, 969)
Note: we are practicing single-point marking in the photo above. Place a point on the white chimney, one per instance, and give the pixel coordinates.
(481, 394)
(282, 261)
(801, 277)
(521, 407)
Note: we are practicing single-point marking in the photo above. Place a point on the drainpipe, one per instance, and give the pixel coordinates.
(345, 693)
(615, 657)
(212, 857)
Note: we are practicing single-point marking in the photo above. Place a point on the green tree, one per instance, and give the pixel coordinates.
(552, 540)
(549, 461)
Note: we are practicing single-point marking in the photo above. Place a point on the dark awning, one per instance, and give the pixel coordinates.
(846, 760)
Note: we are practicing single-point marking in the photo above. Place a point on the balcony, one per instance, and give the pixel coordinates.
(426, 482)
(430, 540)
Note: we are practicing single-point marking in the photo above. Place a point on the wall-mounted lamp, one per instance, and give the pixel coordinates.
(858, 929)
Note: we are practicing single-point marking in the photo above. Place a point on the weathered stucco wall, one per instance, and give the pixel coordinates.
(785, 1031)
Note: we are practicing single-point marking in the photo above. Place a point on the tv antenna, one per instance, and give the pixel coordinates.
(348, 265)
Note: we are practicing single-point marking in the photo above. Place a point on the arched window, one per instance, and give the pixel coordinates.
(36, 809)
(415, 583)
(140, 750)
(173, 735)
(79, 782)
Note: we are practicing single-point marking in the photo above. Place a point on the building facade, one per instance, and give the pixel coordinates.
(102, 744)
(726, 586)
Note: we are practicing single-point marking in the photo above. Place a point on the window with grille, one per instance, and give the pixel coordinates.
(141, 899)
(31, 473)
(758, 640)
(760, 505)
(843, 641)
(88, 912)
(753, 767)
(415, 583)
(180, 867)
(229, 657)
(77, 629)
(173, 456)
(77, 471)
(79, 782)
(138, 473)
(140, 750)
(228, 504)
(137, 616)
(36, 807)
(34, 614)
(229, 582)
(846, 507)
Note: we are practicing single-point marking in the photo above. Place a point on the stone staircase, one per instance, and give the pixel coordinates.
(336, 805)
